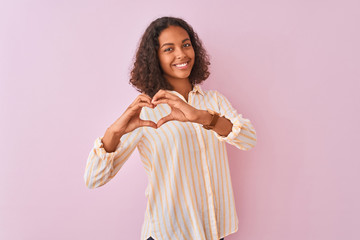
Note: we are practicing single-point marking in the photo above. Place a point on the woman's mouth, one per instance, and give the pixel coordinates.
(182, 65)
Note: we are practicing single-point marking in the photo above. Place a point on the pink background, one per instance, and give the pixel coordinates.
(291, 67)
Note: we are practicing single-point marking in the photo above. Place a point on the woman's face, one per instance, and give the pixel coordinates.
(176, 54)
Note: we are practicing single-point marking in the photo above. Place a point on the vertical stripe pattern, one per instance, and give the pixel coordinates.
(189, 194)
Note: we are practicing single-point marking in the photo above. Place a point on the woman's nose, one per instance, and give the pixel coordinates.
(180, 53)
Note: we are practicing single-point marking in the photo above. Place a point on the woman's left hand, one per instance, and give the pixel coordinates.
(180, 110)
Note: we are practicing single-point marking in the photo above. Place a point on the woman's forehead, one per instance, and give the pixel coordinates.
(173, 34)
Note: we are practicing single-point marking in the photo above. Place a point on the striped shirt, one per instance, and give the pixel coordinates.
(189, 192)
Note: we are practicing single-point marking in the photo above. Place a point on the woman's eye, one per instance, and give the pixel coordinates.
(187, 44)
(168, 49)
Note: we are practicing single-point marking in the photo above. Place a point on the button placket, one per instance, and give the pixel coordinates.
(207, 182)
(206, 171)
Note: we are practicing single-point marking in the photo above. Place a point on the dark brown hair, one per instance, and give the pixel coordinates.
(147, 75)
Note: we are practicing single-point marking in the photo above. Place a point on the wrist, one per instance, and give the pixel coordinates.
(115, 132)
(204, 117)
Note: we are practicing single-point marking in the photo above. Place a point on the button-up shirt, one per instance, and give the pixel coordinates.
(189, 192)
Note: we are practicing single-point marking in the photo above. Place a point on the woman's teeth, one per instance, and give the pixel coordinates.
(181, 65)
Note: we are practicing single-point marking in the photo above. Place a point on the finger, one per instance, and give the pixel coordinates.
(148, 123)
(141, 98)
(145, 96)
(151, 105)
(164, 120)
(163, 94)
(164, 100)
(141, 105)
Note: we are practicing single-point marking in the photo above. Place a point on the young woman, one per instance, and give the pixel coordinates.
(180, 131)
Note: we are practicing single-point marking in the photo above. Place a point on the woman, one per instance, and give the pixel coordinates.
(180, 131)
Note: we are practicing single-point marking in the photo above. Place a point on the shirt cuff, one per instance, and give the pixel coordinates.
(234, 131)
(100, 150)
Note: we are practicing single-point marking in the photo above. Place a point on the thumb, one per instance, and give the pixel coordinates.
(164, 120)
(147, 123)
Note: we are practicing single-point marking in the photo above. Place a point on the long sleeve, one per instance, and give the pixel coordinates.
(243, 134)
(102, 166)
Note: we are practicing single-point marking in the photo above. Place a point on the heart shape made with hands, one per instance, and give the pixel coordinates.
(155, 114)
(170, 106)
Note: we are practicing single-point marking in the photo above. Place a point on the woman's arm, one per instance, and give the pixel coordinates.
(111, 151)
(231, 126)
(111, 139)
(102, 166)
(223, 126)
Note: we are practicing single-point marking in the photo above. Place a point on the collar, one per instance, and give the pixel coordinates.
(195, 89)
(198, 89)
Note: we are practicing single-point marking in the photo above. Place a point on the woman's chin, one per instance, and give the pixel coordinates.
(178, 76)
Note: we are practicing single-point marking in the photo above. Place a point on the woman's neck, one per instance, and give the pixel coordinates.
(182, 86)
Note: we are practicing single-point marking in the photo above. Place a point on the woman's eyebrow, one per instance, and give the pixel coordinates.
(172, 43)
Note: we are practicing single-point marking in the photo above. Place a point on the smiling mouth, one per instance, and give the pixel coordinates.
(182, 65)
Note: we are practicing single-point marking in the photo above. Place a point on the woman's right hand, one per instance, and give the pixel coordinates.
(130, 119)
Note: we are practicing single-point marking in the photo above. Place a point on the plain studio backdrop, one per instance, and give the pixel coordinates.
(291, 67)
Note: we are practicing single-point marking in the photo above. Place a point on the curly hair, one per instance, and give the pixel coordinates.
(147, 75)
